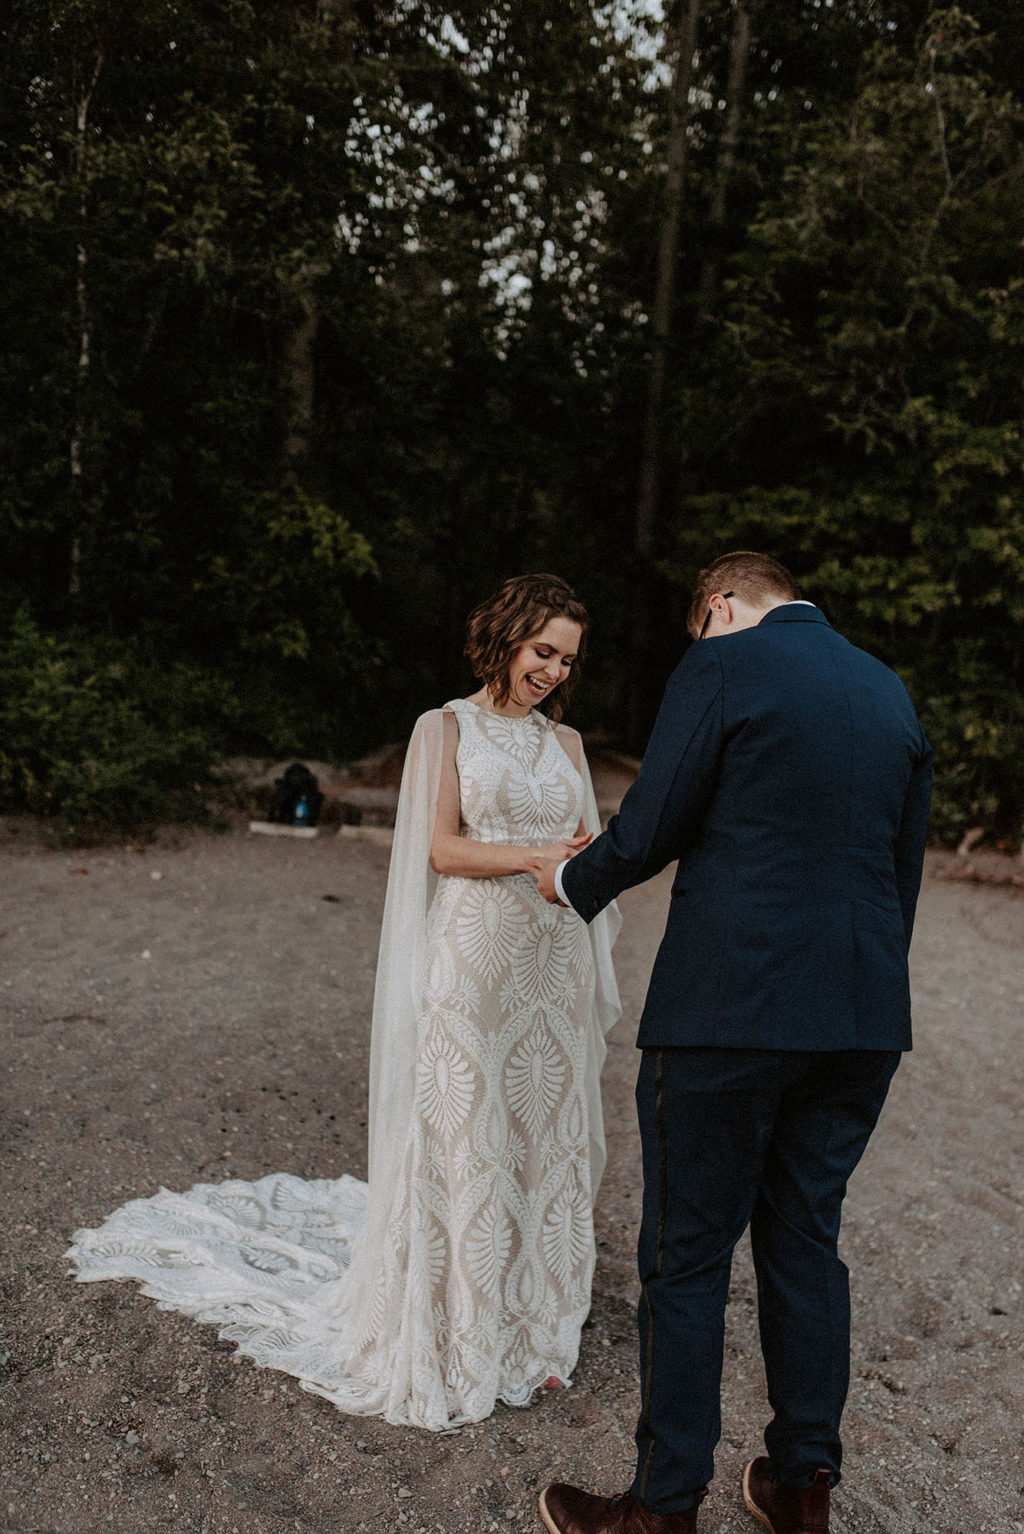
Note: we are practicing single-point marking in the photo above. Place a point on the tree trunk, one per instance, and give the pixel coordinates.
(739, 58)
(668, 253)
(84, 333)
(300, 366)
(641, 697)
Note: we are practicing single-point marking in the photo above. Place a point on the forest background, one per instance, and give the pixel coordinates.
(319, 319)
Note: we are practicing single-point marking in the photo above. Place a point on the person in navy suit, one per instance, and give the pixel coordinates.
(789, 775)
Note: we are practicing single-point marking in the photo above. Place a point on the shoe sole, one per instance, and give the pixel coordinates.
(549, 1523)
(752, 1506)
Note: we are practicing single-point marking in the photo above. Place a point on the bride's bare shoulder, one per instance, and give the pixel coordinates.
(571, 742)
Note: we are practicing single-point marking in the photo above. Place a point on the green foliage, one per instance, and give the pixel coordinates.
(321, 320)
(868, 387)
(99, 736)
(977, 730)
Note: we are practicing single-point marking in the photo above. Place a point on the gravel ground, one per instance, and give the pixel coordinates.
(197, 1008)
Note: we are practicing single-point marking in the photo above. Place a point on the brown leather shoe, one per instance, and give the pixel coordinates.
(567, 1510)
(786, 1509)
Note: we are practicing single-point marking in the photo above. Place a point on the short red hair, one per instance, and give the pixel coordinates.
(754, 577)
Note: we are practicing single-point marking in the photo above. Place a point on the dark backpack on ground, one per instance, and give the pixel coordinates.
(297, 798)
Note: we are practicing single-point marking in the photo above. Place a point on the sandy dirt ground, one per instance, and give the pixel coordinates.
(197, 1009)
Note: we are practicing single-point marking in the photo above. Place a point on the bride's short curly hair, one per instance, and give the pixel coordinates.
(519, 608)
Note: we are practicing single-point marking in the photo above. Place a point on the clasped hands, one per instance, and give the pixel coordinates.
(546, 859)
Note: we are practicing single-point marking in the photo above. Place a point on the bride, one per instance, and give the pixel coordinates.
(460, 1274)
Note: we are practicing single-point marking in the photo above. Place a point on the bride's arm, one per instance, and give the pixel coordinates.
(456, 855)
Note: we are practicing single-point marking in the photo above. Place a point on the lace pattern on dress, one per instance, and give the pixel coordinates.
(472, 1282)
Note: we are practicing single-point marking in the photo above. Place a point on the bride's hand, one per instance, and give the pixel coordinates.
(559, 851)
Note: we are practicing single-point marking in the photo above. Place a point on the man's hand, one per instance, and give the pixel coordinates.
(543, 870)
(546, 859)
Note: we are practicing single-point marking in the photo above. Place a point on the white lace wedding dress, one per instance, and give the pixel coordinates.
(462, 1276)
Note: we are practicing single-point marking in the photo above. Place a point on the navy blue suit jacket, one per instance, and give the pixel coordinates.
(789, 774)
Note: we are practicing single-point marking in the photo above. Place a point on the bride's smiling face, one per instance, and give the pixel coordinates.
(543, 662)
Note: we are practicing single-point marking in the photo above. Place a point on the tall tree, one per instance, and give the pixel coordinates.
(667, 268)
(871, 331)
(728, 144)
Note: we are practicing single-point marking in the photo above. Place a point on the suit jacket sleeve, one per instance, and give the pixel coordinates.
(910, 842)
(661, 813)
